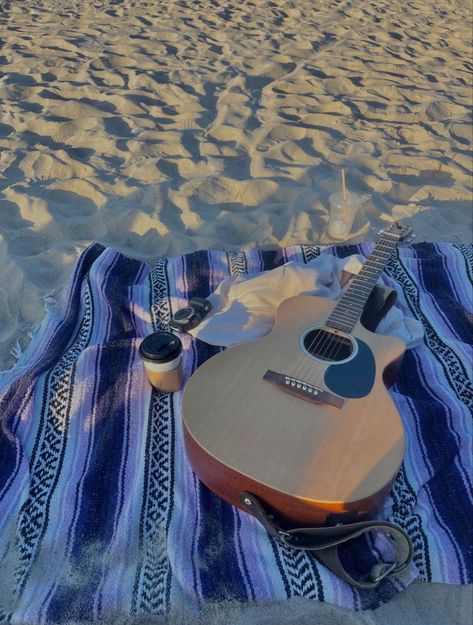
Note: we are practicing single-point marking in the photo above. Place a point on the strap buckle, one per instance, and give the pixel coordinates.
(381, 570)
(284, 534)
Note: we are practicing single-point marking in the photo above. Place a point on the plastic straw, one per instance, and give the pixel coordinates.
(344, 195)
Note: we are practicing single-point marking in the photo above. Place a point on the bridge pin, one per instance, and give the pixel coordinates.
(310, 390)
(298, 386)
(293, 383)
(304, 388)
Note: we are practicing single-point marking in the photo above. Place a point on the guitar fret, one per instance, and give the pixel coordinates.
(348, 294)
(340, 326)
(367, 288)
(348, 313)
(343, 317)
(347, 316)
(366, 291)
(351, 294)
(367, 270)
(366, 278)
(358, 284)
(339, 319)
(353, 302)
(381, 263)
(349, 309)
(382, 255)
(362, 282)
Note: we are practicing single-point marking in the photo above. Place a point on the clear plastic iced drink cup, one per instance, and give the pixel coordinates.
(342, 213)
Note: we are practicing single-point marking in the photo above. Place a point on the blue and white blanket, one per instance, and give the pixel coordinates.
(100, 512)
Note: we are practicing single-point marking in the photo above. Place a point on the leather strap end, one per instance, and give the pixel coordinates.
(325, 541)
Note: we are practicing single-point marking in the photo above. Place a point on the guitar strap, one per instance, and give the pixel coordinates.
(380, 301)
(324, 542)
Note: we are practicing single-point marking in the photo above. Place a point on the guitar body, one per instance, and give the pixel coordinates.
(335, 451)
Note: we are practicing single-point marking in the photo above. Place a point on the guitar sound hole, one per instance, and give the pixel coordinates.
(325, 345)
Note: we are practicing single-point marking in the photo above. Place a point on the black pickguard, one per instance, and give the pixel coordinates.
(354, 378)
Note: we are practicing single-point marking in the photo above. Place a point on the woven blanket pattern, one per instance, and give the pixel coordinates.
(100, 512)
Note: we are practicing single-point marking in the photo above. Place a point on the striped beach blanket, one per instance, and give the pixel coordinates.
(100, 513)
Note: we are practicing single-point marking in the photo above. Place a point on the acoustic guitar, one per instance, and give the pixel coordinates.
(302, 418)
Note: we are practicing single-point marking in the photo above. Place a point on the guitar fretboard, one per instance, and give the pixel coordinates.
(349, 308)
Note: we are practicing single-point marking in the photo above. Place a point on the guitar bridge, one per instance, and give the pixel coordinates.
(303, 390)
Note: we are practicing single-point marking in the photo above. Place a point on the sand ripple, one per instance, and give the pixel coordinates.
(160, 128)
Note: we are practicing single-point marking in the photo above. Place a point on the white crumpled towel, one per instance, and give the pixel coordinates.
(244, 307)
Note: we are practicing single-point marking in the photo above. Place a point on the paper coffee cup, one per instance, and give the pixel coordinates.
(161, 355)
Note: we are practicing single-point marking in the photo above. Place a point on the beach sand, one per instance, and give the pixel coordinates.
(160, 128)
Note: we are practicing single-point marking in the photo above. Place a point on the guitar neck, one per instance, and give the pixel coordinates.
(349, 308)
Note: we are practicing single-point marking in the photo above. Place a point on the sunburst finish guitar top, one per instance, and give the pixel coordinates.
(302, 418)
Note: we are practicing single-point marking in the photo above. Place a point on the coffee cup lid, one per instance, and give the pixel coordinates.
(161, 346)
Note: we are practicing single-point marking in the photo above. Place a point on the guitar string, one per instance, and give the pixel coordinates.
(330, 353)
(337, 345)
(380, 246)
(307, 362)
(321, 344)
(326, 337)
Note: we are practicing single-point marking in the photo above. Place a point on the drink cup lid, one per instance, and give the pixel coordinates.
(161, 347)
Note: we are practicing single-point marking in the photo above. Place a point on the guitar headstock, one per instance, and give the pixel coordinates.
(400, 230)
